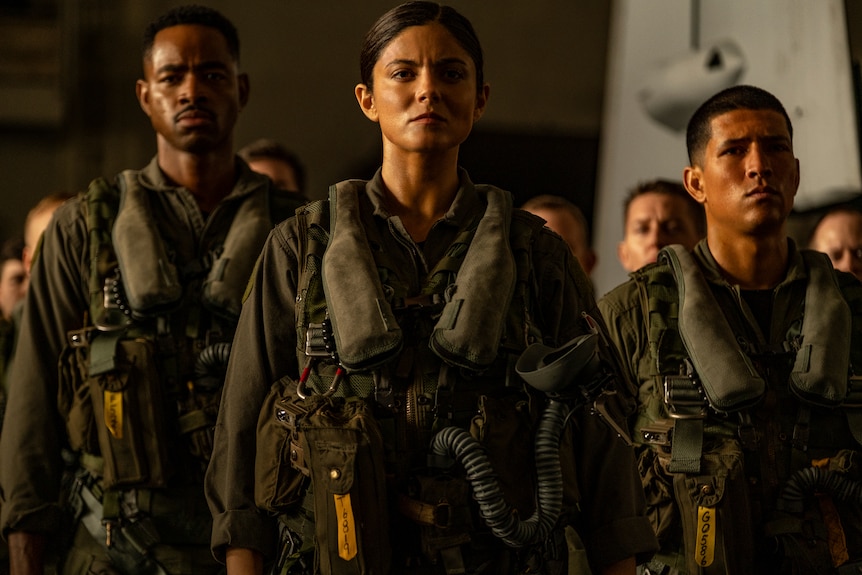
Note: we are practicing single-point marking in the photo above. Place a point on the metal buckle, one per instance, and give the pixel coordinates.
(658, 433)
(683, 397)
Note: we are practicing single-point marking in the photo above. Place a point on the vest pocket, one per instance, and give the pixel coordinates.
(278, 484)
(129, 413)
(715, 514)
(344, 446)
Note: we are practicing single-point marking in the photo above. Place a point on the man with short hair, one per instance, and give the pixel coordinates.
(135, 294)
(273, 159)
(838, 234)
(747, 356)
(567, 220)
(656, 214)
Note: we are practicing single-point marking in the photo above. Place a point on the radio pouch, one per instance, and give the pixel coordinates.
(129, 411)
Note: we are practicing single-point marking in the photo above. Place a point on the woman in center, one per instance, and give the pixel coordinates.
(380, 415)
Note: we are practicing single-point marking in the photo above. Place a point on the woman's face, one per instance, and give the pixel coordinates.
(425, 96)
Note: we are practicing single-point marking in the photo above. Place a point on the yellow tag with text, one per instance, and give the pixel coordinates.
(114, 413)
(704, 550)
(346, 527)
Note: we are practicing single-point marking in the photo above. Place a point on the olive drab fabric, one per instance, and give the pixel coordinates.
(397, 293)
(728, 466)
(136, 296)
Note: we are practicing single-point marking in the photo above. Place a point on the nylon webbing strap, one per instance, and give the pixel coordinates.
(688, 408)
(687, 446)
(103, 352)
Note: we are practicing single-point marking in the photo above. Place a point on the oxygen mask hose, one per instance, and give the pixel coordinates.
(550, 370)
(497, 514)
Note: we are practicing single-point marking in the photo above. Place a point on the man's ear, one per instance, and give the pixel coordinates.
(365, 97)
(244, 89)
(623, 254)
(481, 102)
(590, 260)
(798, 177)
(692, 178)
(142, 89)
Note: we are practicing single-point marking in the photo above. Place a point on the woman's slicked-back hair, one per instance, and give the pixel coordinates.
(392, 23)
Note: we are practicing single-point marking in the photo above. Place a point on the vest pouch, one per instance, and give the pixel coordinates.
(715, 513)
(658, 490)
(278, 484)
(344, 447)
(129, 413)
(74, 401)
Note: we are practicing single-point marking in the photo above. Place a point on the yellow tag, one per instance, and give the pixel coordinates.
(346, 527)
(704, 551)
(114, 413)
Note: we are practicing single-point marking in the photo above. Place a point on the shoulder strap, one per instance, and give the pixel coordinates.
(522, 327)
(312, 223)
(103, 201)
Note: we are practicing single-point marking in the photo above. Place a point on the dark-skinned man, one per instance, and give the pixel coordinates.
(135, 295)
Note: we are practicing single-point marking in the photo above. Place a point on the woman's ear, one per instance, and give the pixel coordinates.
(481, 102)
(366, 101)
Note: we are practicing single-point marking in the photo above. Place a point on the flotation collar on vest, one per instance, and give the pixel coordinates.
(471, 325)
(727, 375)
(152, 282)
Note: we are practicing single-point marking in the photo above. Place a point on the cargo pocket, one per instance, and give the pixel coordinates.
(344, 447)
(661, 507)
(129, 411)
(715, 513)
(278, 483)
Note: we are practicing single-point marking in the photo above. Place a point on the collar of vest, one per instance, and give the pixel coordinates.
(470, 327)
(727, 376)
(152, 282)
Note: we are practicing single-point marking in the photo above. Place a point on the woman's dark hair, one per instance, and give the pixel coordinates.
(409, 14)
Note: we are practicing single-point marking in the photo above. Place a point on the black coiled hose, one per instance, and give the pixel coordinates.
(210, 366)
(496, 513)
(805, 480)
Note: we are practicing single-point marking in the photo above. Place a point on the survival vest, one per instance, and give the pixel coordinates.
(148, 366)
(712, 379)
(443, 357)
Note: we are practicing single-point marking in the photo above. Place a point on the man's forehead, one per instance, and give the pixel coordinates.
(748, 124)
(188, 41)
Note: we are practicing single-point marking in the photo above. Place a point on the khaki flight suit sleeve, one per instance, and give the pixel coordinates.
(613, 524)
(34, 429)
(264, 349)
